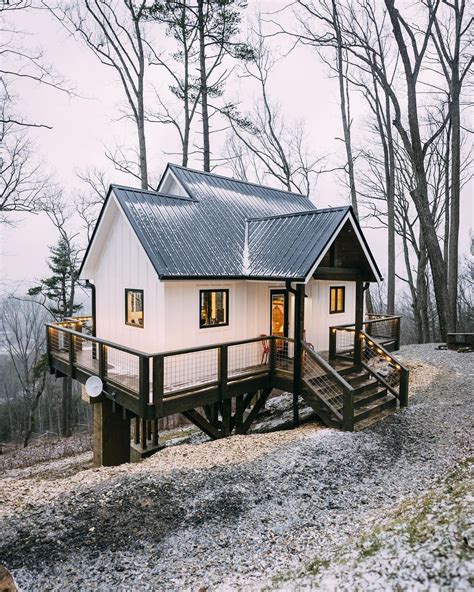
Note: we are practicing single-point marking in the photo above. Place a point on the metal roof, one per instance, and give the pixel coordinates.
(227, 228)
(288, 246)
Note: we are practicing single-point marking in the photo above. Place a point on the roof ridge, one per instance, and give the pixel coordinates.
(178, 166)
(302, 213)
(152, 192)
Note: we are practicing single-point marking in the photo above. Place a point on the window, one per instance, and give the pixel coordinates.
(214, 308)
(337, 299)
(134, 308)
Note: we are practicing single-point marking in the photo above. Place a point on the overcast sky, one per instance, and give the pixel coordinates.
(83, 125)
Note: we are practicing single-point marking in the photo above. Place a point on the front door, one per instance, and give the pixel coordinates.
(279, 318)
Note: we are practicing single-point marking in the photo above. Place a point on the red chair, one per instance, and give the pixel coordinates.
(266, 350)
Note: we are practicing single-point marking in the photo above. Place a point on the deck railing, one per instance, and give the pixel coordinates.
(329, 386)
(142, 382)
(385, 367)
(383, 328)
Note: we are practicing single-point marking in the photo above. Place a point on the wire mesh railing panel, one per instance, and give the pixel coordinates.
(85, 354)
(284, 351)
(380, 363)
(323, 384)
(245, 358)
(344, 340)
(382, 328)
(122, 368)
(59, 343)
(197, 368)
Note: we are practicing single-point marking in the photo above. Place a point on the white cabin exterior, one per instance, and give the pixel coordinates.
(117, 261)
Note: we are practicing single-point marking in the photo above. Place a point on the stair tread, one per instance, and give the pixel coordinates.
(373, 419)
(374, 408)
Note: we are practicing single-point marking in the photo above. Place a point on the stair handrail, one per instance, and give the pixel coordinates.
(402, 393)
(348, 390)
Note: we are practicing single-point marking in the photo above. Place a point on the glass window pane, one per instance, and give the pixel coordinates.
(134, 308)
(213, 304)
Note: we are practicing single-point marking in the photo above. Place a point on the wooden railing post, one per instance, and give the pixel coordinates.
(348, 411)
(158, 383)
(102, 361)
(272, 346)
(223, 369)
(49, 346)
(403, 387)
(397, 334)
(223, 376)
(332, 343)
(144, 385)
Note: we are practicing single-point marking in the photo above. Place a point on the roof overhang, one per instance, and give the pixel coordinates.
(363, 243)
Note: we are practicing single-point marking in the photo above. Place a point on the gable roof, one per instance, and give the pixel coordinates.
(225, 228)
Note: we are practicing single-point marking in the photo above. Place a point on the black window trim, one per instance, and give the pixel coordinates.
(142, 326)
(343, 288)
(226, 324)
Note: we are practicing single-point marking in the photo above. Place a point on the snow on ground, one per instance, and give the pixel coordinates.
(312, 508)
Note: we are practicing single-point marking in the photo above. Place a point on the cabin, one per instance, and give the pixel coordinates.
(211, 292)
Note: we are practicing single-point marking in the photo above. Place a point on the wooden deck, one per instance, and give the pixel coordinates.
(227, 382)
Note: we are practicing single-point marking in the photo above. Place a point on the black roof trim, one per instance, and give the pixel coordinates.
(305, 213)
(178, 166)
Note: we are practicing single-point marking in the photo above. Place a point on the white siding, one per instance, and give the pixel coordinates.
(317, 316)
(124, 264)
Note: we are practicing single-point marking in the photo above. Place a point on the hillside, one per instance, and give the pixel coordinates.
(312, 508)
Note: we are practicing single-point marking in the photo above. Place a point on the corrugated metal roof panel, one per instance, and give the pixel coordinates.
(288, 246)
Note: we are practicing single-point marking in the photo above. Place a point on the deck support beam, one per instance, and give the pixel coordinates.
(111, 435)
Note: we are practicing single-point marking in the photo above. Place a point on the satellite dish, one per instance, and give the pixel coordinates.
(94, 386)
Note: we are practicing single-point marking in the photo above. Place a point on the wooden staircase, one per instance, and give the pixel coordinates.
(346, 396)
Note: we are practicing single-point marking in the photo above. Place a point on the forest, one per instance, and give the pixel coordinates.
(194, 83)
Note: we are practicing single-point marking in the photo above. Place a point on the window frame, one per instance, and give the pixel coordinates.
(226, 324)
(127, 290)
(336, 311)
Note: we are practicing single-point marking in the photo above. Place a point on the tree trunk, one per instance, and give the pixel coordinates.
(455, 198)
(414, 148)
(203, 82)
(345, 110)
(390, 212)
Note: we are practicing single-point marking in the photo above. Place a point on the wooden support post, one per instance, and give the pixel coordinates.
(143, 433)
(239, 413)
(299, 332)
(111, 436)
(102, 361)
(403, 388)
(144, 385)
(359, 321)
(226, 417)
(348, 411)
(155, 432)
(136, 435)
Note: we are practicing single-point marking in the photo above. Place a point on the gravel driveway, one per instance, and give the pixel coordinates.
(248, 512)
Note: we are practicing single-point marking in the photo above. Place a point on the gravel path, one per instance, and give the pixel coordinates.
(248, 512)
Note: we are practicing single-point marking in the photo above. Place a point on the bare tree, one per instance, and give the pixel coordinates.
(22, 324)
(114, 32)
(264, 140)
(452, 37)
(91, 198)
(182, 26)
(320, 27)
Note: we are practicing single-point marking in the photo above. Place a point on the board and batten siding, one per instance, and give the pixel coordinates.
(318, 319)
(124, 264)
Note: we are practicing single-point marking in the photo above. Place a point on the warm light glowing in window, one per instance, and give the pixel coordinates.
(134, 308)
(214, 308)
(337, 297)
